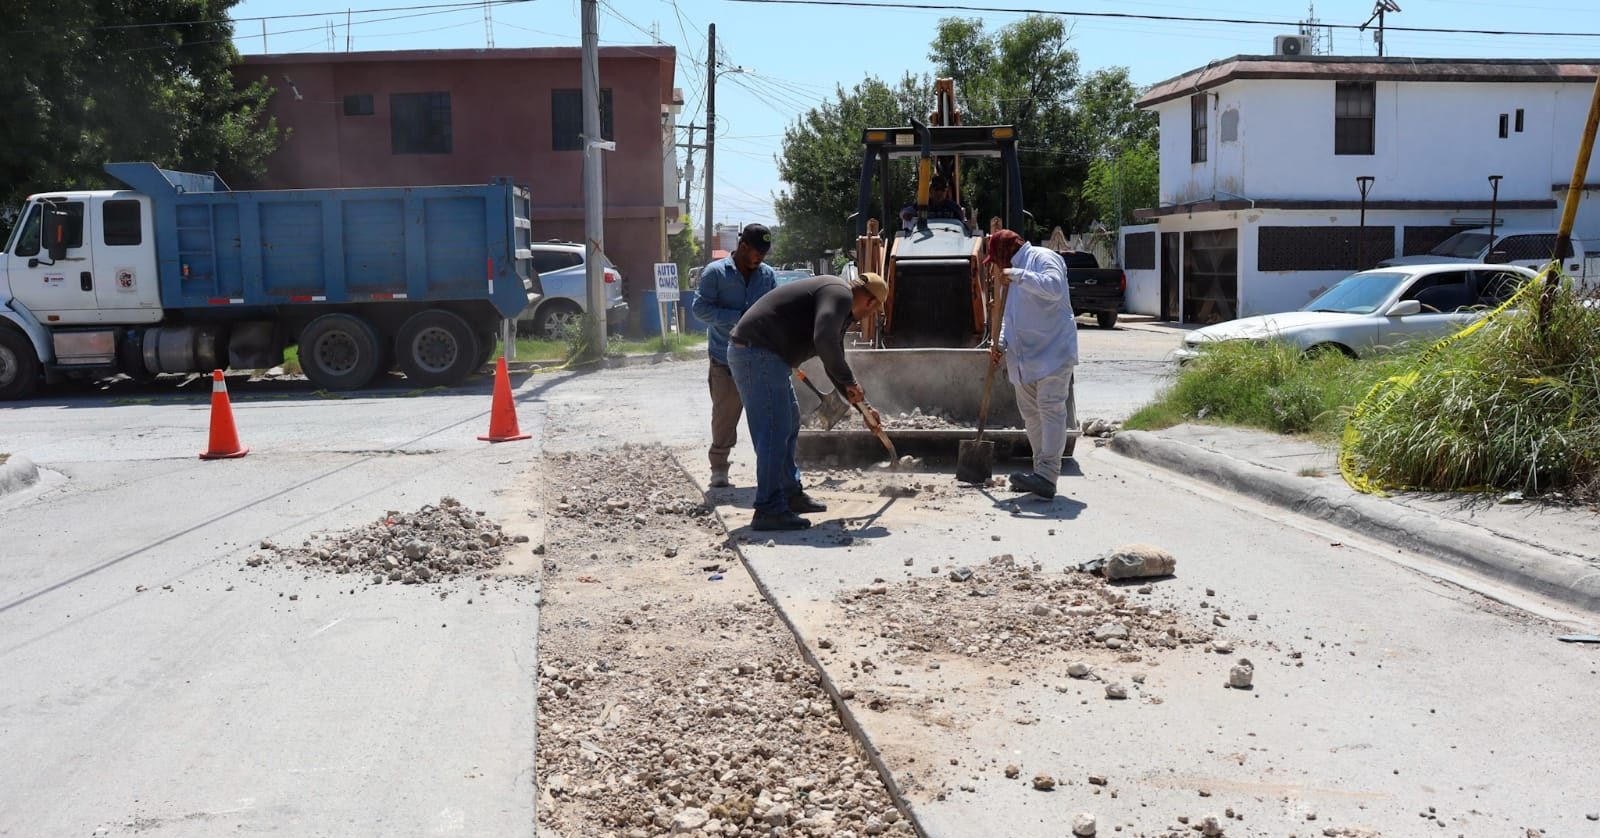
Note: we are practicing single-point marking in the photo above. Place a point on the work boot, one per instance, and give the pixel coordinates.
(1033, 482)
(719, 478)
(801, 503)
(778, 521)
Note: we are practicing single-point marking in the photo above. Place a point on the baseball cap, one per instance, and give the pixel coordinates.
(874, 285)
(1005, 239)
(757, 236)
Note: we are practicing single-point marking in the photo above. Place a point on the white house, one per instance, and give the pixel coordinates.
(1260, 206)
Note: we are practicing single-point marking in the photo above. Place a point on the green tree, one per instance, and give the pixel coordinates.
(821, 163)
(91, 81)
(1123, 182)
(684, 250)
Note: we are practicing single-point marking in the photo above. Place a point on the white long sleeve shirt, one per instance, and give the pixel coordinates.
(1037, 329)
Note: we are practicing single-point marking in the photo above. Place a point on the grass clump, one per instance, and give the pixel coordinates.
(1272, 385)
(1512, 406)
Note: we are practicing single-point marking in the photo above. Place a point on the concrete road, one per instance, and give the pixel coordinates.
(154, 685)
(1121, 369)
(1391, 697)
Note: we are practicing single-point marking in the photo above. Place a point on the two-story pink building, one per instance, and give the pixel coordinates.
(420, 117)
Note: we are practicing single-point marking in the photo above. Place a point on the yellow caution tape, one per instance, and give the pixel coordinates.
(1385, 393)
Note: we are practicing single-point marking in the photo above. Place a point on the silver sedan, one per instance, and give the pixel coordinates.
(1375, 309)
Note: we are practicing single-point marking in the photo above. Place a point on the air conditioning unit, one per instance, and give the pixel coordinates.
(1291, 45)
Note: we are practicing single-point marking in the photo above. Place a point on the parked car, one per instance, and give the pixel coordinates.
(1375, 309)
(562, 274)
(787, 276)
(1528, 248)
(1095, 290)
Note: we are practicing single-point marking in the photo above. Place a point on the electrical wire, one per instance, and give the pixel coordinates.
(861, 4)
(458, 6)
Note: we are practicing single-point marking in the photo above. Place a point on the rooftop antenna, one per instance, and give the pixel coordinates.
(1320, 36)
(1378, 11)
(488, 25)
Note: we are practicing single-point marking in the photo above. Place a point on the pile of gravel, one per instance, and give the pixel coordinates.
(429, 545)
(1005, 613)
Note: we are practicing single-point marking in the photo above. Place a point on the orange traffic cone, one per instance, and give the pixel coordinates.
(224, 438)
(503, 413)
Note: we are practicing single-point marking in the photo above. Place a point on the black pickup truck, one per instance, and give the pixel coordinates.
(1095, 290)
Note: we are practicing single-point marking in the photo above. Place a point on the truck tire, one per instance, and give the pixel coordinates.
(340, 352)
(437, 347)
(1105, 319)
(19, 367)
(487, 341)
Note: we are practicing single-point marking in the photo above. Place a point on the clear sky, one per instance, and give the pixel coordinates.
(791, 56)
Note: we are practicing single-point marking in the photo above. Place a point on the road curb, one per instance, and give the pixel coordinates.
(16, 474)
(610, 362)
(1568, 579)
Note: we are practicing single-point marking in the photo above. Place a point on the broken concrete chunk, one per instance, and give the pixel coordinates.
(1044, 782)
(1135, 561)
(1116, 691)
(1242, 674)
(961, 574)
(1083, 825)
(1078, 669)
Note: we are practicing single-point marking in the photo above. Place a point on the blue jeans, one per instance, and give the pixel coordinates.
(773, 417)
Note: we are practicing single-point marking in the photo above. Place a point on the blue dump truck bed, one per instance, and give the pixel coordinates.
(217, 247)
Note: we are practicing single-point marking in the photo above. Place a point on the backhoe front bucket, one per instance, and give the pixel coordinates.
(947, 382)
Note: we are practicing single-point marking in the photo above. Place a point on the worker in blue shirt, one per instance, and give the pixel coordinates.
(728, 287)
(1039, 345)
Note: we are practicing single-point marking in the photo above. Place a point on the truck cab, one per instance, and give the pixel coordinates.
(83, 257)
(1528, 248)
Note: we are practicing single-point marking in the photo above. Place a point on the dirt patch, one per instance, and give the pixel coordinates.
(671, 697)
(1004, 613)
(433, 544)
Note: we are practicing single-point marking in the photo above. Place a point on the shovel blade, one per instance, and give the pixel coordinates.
(832, 410)
(975, 461)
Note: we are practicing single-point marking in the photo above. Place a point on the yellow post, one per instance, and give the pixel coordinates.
(1569, 211)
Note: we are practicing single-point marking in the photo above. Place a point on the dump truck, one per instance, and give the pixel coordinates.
(179, 274)
(925, 351)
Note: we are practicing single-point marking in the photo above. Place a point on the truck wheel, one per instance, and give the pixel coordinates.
(556, 318)
(19, 367)
(339, 352)
(437, 347)
(1105, 319)
(487, 341)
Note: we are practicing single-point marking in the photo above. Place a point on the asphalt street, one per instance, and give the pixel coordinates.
(155, 685)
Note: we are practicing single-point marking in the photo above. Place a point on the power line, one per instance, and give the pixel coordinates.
(859, 4)
(474, 4)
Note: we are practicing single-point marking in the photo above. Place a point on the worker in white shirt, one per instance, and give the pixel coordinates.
(1039, 343)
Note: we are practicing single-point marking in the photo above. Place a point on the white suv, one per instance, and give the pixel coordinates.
(561, 272)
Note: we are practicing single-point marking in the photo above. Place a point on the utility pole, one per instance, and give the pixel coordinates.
(688, 161)
(711, 129)
(488, 25)
(1378, 11)
(347, 30)
(593, 226)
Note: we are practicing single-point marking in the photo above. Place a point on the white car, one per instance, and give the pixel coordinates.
(562, 273)
(1376, 309)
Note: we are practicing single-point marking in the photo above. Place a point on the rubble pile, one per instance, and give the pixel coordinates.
(672, 699)
(1005, 613)
(434, 543)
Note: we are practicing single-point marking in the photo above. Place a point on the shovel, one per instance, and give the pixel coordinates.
(877, 430)
(831, 409)
(975, 460)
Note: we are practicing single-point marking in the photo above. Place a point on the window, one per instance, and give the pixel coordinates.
(1353, 109)
(1197, 128)
(1321, 248)
(566, 119)
(1535, 247)
(1139, 251)
(120, 223)
(1505, 126)
(419, 123)
(359, 104)
(545, 261)
(1519, 120)
(27, 243)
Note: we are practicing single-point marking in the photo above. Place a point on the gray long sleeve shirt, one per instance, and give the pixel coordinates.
(801, 320)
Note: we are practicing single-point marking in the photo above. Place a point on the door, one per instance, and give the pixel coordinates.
(124, 274)
(1171, 256)
(1449, 302)
(62, 291)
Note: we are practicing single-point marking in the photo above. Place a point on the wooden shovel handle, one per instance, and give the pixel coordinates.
(996, 310)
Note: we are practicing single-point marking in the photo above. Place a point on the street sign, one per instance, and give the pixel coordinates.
(666, 282)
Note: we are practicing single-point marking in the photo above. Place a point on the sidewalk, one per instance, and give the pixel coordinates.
(1550, 550)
